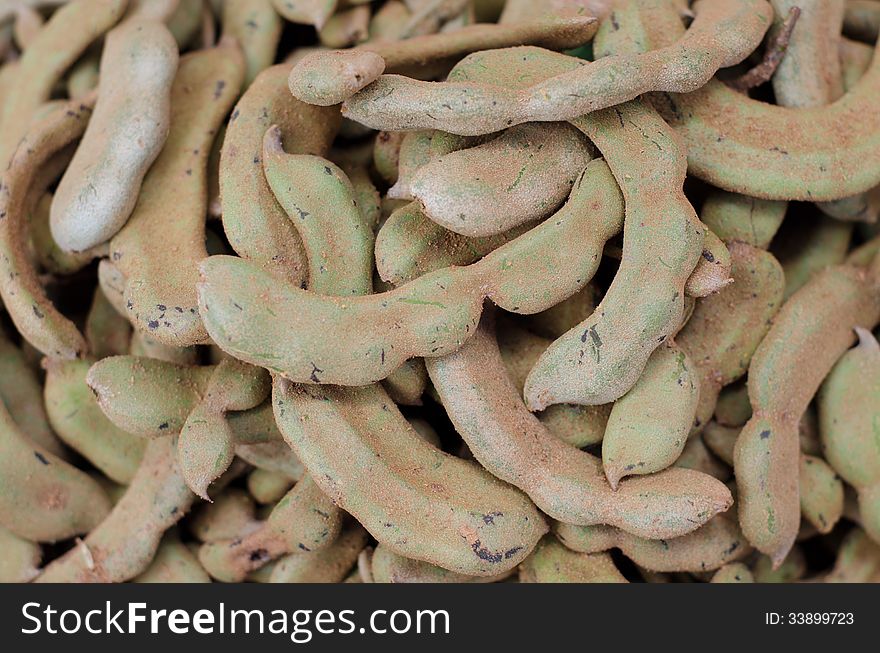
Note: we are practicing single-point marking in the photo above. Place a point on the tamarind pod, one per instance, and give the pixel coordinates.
(267, 488)
(306, 12)
(522, 176)
(431, 16)
(734, 572)
(848, 419)
(79, 422)
(733, 407)
(48, 255)
(21, 394)
(112, 283)
(27, 26)
(295, 333)
(346, 28)
(579, 426)
(858, 560)
(255, 426)
(697, 456)
(173, 563)
(257, 27)
(143, 345)
(99, 190)
(123, 545)
(304, 520)
(386, 155)
(734, 29)
(551, 562)
(7, 11)
(206, 445)
(821, 493)
(862, 20)
(413, 498)
(407, 383)
(415, 151)
(83, 75)
(409, 245)
(738, 217)
(62, 40)
(158, 249)
(319, 199)
(274, 456)
(564, 483)
(718, 542)
(328, 565)
(725, 329)
(256, 226)
(813, 329)
(388, 567)
(232, 511)
(186, 22)
(712, 273)
(145, 396)
(388, 21)
(855, 59)
(792, 569)
(43, 498)
(107, 332)
(35, 317)
(568, 313)
(648, 426)
(157, 10)
(21, 558)
(815, 246)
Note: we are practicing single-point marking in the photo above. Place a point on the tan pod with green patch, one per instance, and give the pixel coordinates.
(551, 562)
(328, 565)
(256, 26)
(388, 567)
(173, 563)
(735, 572)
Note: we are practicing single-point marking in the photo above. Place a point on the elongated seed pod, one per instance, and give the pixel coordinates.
(716, 543)
(296, 333)
(274, 456)
(388, 567)
(107, 332)
(255, 224)
(125, 135)
(735, 572)
(812, 330)
(173, 563)
(553, 563)
(257, 27)
(122, 546)
(21, 558)
(813, 246)
(328, 565)
(733, 407)
(648, 426)
(848, 419)
(821, 493)
(64, 38)
(415, 151)
(566, 484)
(307, 12)
(231, 512)
(697, 456)
(858, 560)
(523, 175)
(43, 498)
(159, 248)
(420, 502)
(732, 216)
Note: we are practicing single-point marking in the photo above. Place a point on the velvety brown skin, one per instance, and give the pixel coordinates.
(567, 484)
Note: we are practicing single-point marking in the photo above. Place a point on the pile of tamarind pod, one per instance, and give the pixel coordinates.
(439, 291)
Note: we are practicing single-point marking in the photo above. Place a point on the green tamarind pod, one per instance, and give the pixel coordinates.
(173, 563)
(21, 394)
(388, 567)
(232, 511)
(144, 345)
(565, 483)
(417, 500)
(725, 329)
(809, 334)
(849, 419)
(648, 426)
(388, 21)
(257, 27)
(722, 34)
(319, 198)
(407, 383)
(255, 426)
(858, 560)
(346, 28)
(274, 457)
(127, 131)
(734, 572)
(112, 283)
(821, 492)
(792, 568)
(697, 456)
(297, 333)
(712, 273)
(431, 16)
(77, 419)
(813, 246)
(62, 40)
(733, 407)
(328, 565)
(51, 257)
(158, 249)
(255, 224)
(28, 23)
(579, 426)
(409, 245)
(21, 558)
(855, 59)
(386, 155)
(267, 487)
(568, 313)
(738, 217)
(551, 562)
(523, 175)
(43, 498)
(306, 12)
(716, 543)
(415, 151)
(862, 20)
(35, 317)
(123, 545)
(304, 520)
(206, 445)
(107, 332)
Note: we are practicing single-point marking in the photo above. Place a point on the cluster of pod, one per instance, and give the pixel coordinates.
(439, 291)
